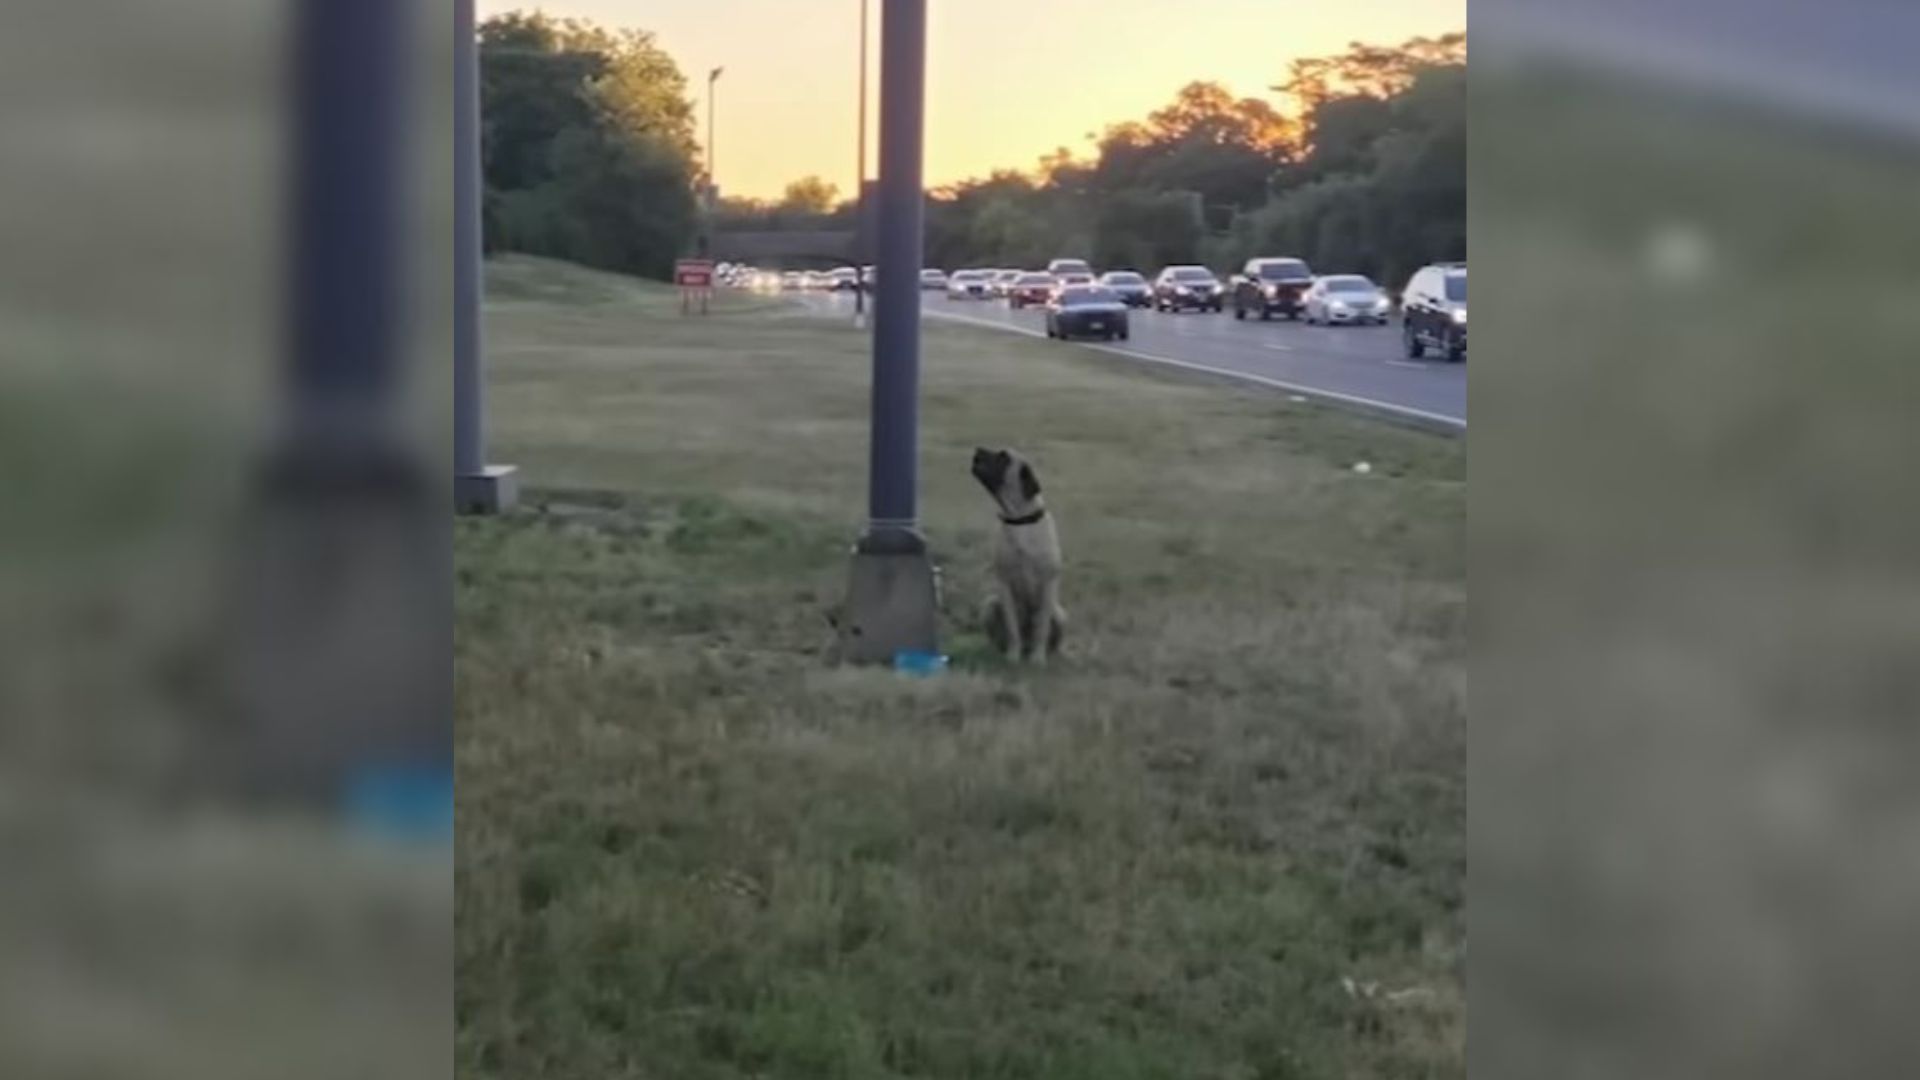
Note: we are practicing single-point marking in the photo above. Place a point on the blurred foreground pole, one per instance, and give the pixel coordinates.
(337, 605)
(345, 301)
(478, 488)
(892, 600)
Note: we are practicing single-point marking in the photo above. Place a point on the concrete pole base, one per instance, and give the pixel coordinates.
(893, 600)
(493, 490)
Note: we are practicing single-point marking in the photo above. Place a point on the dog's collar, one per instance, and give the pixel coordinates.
(1028, 519)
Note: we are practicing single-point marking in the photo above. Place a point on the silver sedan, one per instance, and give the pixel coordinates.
(1346, 298)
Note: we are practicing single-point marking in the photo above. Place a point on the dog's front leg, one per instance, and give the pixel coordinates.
(1012, 633)
(1042, 640)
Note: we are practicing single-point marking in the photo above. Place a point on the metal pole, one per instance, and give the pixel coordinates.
(469, 409)
(478, 487)
(860, 180)
(347, 172)
(337, 539)
(713, 155)
(894, 452)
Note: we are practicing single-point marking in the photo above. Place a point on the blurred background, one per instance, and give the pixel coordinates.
(1691, 791)
(223, 640)
(1696, 608)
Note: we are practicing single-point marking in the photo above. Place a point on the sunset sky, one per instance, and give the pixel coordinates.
(1008, 80)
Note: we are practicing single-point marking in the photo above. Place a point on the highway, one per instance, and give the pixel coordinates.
(1352, 365)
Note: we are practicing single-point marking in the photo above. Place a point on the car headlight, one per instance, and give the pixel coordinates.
(1381, 304)
(1181, 290)
(1460, 316)
(1337, 305)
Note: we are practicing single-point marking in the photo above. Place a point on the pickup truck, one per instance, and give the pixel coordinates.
(1266, 287)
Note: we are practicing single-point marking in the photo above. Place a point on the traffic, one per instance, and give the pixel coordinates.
(1431, 308)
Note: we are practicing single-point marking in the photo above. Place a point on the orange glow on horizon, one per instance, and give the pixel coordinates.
(1008, 80)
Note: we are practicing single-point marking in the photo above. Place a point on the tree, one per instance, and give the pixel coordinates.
(1383, 189)
(588, 148)
(1378, 71)
(810, 195)
(1205, 140)
(1144, 230)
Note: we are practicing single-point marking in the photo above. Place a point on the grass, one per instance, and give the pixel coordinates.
(1224, 838)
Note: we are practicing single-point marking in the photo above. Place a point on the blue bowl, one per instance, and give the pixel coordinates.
(919, 664)
(403, 802)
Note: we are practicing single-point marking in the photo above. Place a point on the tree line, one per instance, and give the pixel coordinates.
(587, 144)
(589, 151)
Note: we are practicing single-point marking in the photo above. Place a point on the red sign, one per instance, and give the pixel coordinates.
(693, 273)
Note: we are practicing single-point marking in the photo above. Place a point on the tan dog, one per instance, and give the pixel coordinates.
(1024, 619)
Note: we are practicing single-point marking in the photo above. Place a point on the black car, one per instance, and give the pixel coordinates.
(1179, 288)
(1087, 311)
(1269, 287)
(1434, 311)
(1131, 288)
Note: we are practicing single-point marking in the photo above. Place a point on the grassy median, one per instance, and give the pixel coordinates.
(1223, 838)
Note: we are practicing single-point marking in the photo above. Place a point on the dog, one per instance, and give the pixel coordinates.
(1024, 619)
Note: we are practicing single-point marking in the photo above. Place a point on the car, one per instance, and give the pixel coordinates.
(970, 285)
(1346, 298)
(1129, 286)
(1030, 290)
(1434, 311)
(1181, 287)
(933, 280)
(1003, 281)
(1070, 279)
(843, 279)
(1069, 266)
(1271, 286)
(792, 279)
(1087, 311)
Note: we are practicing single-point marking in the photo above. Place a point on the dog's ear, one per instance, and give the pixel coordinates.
(1029, 483)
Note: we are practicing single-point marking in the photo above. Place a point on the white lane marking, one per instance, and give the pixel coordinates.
(1276, 384)
(1276, 346)
(1411, 364)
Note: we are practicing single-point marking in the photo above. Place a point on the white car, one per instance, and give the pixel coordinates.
(970, 285)
(932, 280)
(1345, 298)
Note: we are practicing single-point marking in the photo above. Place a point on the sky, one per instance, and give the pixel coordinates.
(1007, 80)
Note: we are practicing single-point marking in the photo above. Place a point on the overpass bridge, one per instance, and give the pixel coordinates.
(782, 248)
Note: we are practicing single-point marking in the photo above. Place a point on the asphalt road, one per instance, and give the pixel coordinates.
(1353, 365)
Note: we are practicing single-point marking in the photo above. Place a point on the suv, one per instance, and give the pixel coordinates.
(1061, 267)
(1434, 311)
(1265, 287)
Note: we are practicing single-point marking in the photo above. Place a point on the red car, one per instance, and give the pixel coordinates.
(1030, 290)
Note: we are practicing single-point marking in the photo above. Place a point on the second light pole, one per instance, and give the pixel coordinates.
(713, 162)
(860, 229)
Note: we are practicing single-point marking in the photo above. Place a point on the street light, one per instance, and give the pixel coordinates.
(713, 167)
(479, 488)
(860, 182)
